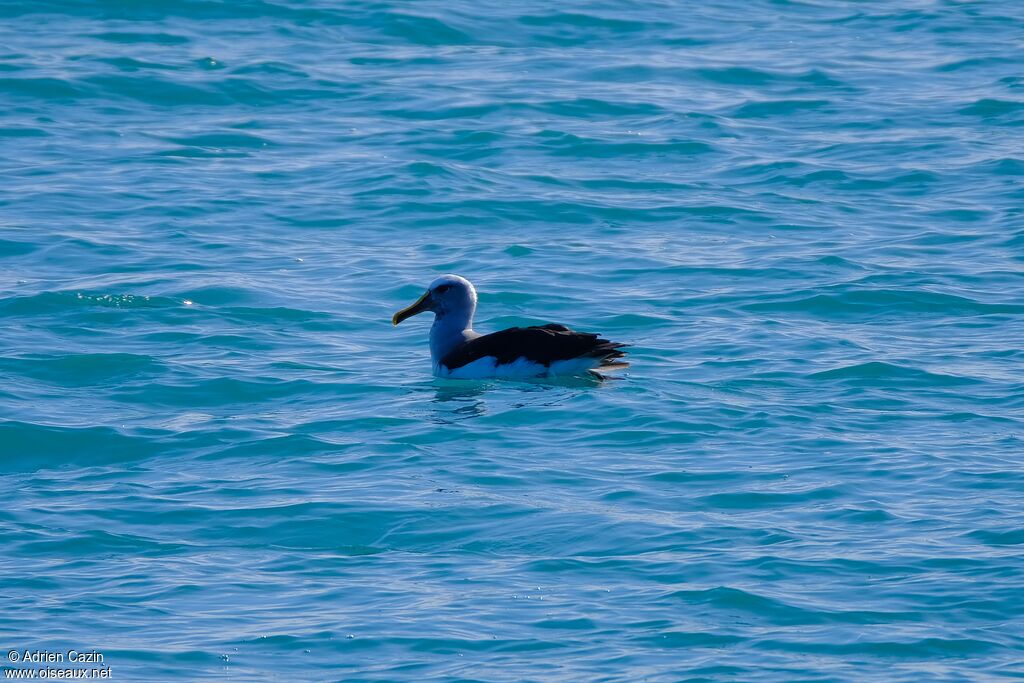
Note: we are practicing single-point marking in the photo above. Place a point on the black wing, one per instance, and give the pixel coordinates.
(543, 344)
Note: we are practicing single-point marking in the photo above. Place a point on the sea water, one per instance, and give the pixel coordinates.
(219, 460)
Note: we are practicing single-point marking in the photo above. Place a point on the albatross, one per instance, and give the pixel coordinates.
(457, 352)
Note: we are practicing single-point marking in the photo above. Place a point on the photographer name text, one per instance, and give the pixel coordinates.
(53, 657)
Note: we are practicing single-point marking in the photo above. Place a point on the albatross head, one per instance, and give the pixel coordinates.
(450, 297)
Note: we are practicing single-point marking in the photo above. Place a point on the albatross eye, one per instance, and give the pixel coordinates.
(442, 289)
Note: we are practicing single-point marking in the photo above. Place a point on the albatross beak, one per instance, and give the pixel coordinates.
(422, 304)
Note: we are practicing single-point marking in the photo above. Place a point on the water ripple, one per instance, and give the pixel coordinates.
(803, 216)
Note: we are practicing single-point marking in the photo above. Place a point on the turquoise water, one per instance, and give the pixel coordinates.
(222, 462)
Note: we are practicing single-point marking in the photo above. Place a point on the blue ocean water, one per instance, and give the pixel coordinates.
(220, 461)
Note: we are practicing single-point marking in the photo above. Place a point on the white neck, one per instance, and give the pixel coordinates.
(448, 331)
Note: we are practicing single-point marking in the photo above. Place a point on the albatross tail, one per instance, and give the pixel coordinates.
(608, 356)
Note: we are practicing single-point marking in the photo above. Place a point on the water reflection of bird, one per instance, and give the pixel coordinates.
(467, 397)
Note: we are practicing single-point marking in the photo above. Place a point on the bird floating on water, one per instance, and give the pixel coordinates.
(457, 352)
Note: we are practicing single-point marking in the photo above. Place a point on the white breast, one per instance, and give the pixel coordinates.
(487, 367)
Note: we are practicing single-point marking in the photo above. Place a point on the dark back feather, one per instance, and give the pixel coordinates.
(542, 344)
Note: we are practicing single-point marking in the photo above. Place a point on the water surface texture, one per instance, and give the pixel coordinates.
(221, 462)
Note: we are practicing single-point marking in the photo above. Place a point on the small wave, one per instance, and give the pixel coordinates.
(591, 107)
(772, 609)
(43, 88)
(130, 64)
(990, 108)
(756, 110)
(219, 295)
(583, 20)
(41, 446)
(56, 302)
(224, 391)
(637, 321)
(200, 153)
(447, 111)
(691, 639)
(566, 144)
(22, 132)
(222, 140)
(737, 75)
(973, 63)
(885, 303)
(761, 500)
(157, 91)
(875, 371)
(421, 30)
(16, 248)
(751, 76)
(136, 37)
(81, 369)
(999, 538)
(94, 542)
(923, 649)
(568, 29)
(1011, 166)
(273, 315)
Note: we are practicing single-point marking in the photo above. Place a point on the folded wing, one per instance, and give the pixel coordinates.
(543, 344)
